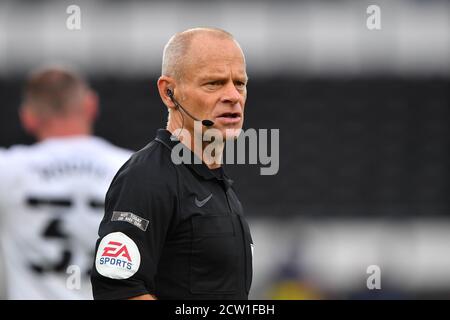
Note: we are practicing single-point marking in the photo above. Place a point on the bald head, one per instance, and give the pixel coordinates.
(177, 53)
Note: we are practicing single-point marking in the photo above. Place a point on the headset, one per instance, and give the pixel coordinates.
(205, 122)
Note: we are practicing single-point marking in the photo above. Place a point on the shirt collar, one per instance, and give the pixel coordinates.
(166, 138)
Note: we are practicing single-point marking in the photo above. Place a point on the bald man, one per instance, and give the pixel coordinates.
(52, 192)
(176, 230)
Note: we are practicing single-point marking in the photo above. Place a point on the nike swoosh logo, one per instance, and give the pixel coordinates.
(200, 204)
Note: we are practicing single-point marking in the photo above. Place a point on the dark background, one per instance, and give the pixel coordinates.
(366, 146)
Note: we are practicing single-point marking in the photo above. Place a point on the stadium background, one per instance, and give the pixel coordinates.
(363, 118)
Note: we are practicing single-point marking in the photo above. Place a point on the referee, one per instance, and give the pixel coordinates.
(177, 231)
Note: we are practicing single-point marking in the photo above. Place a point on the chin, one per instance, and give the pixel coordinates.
(231, 133)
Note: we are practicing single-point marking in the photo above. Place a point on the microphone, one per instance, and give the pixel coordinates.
(205, 122)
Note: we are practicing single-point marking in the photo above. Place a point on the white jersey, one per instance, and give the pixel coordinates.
(51, 204)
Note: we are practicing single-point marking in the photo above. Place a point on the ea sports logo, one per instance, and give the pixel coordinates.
(115, 250)
(117, 257)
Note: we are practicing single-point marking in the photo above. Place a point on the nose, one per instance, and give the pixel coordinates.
(231, 94)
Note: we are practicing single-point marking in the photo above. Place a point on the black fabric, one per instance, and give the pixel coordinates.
(197, 245)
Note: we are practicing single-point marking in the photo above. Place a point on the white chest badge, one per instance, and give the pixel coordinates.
(117, 256)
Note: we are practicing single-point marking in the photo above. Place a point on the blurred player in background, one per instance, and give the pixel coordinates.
(52, 192)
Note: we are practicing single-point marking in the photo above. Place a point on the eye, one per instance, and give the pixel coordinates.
(213, 85)
(240, 84)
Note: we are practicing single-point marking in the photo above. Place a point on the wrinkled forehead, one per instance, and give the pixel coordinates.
(208, 55)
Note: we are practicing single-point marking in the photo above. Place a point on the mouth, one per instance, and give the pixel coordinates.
(229, 117)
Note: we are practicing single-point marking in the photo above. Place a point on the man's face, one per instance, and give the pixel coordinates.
(213, 85)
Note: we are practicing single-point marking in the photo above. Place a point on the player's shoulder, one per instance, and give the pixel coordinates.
(14, 153)
(109, 150)
(93, 148)
(3, 154)
(12, 162)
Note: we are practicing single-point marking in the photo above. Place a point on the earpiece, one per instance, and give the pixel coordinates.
(206, 122)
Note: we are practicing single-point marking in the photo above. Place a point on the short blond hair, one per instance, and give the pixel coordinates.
(53, 90)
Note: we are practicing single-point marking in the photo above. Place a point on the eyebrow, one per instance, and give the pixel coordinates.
(219, 77)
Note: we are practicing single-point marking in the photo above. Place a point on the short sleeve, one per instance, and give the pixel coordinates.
(139, 207)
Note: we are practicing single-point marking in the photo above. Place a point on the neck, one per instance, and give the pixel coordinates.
(213, 159)
(209, 152)
(63, 129)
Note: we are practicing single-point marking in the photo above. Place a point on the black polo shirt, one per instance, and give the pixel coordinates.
(175, 231)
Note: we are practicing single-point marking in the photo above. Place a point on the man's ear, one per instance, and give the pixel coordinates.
(91, 105)
(164, 83)
(28, 119)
